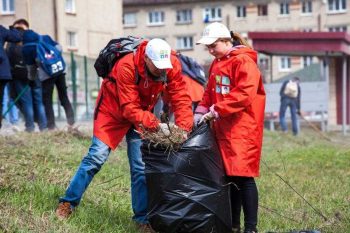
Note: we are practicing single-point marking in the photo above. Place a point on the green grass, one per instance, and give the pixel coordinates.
(35, 170)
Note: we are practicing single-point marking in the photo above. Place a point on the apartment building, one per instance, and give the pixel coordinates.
(82, 26)
(181, 23)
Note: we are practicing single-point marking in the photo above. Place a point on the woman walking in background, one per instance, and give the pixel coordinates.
(235, 100)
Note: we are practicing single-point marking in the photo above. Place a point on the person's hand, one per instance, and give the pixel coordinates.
(298, 112)
(207, 117)
(164, 128)
(196, 118)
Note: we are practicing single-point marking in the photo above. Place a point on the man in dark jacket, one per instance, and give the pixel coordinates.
(5, 73)
(30, 101)
(290, 97)
(48, 83)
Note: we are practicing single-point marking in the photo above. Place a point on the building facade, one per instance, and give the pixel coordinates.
(181, 23)
(82, 26)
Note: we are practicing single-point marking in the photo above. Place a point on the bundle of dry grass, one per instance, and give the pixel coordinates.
(170, 142)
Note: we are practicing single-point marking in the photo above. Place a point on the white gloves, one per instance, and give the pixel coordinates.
(164, 128)
(207, 117)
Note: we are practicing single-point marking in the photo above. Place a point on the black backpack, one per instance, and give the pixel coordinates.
(18, 66)
(192, 69)
(114, 50)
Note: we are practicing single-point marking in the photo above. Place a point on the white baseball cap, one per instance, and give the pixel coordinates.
(213, 32)
(159, 52)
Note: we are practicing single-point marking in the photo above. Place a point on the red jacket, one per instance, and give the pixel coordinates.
(235, 88)
(122, 102)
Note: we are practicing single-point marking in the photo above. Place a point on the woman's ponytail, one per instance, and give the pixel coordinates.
(237, 39)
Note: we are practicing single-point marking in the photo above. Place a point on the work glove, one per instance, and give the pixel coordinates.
(212, 114)
(164, 128)
(207, 117)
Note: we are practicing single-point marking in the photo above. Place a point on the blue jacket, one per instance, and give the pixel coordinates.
(10, 36)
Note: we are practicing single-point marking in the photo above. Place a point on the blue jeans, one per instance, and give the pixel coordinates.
(92, 163)
(31, 104)
(12, 115)
(292, 104)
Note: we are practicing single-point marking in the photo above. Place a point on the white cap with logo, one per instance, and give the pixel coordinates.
(159, 52)
(213, 32)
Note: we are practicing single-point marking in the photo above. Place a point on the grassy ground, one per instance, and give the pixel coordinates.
(35, 170)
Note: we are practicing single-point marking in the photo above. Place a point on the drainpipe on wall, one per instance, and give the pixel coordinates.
(55, 23)
(29, 13)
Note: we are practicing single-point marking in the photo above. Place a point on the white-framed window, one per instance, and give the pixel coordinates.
(241, 12)
(264, 63)
(129, 19)
(342, 28)
(306, 61)
(284, 8)
(184, 42)
(156, 17)
(262, 10)
(306, 7)
(336, 6)
(70, 6)
(72, 40)
(7, 6)
(285, 64)
(211, 14)
(184, 16)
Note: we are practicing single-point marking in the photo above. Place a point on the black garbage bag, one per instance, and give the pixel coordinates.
(186, 188)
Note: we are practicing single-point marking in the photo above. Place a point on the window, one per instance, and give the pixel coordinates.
(264, 63)
(241, 11)
(307, 30)
(8, 6)
(284, 8)
(262, 10)
(335, 6)
(129, 19)
(184, 16)
(212, 14)
(306, 7)
(72, 40)
(184, 42)
(337, 29)
(306, 61)
(156, 17)
(285, 64)
(70, 6)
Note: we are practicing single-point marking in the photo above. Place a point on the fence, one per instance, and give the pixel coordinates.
(314, 102)
(83, 85)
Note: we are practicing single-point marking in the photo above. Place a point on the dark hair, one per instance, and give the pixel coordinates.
(296, 79)
(21, 21)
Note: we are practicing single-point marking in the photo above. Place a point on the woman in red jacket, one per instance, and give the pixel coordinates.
(235, 101)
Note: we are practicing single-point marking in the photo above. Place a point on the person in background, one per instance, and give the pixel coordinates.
(290, 97)
(122, 106)
(6, 35)
(9, 110)
(29, 53)
(30, 101)
(234, 101)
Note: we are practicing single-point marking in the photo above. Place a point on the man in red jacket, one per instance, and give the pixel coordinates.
(125, 102)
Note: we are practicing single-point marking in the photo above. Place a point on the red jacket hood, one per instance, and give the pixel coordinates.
(245, 50)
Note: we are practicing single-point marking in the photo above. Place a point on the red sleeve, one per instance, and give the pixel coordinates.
(204, 105)
(129, 98)
(180, 100)
(245, 90)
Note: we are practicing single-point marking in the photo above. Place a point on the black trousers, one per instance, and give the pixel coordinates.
(2, 88)
(244, 193)
(48, 85)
